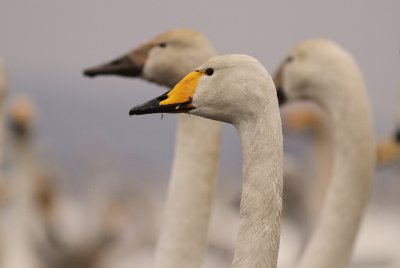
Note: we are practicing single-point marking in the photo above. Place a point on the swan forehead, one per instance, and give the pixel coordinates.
(183, 36)
(179, 36)
(231, 61)
(318, 49)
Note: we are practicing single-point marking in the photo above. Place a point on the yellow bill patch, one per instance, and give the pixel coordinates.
(184, 90)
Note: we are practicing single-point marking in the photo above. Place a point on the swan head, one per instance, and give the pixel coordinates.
(220, 89)
(308, 69)
(21, 116)
(162, 60)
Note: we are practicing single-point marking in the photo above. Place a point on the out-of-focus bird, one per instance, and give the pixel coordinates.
(165, 60)
(30, 199)
(323, 72)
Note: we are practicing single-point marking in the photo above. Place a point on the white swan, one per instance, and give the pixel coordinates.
(183, 236)
(323, 72)
(236, 89)
(23, 230)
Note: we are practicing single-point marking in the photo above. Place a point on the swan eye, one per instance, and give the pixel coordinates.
(289, 59)
(162, 44)
(209, 71)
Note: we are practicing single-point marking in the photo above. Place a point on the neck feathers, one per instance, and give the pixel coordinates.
(261, 204)
(353, 165)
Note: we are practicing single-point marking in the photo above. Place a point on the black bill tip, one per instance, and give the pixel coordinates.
(122, 66)
(282, 98)
(90, 73)
(153, 106)
(132, 111)
(150, 107)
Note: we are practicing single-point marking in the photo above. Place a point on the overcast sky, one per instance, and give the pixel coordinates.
(47, 43)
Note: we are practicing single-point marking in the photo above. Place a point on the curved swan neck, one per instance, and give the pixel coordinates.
(353, 165)
(261, 204)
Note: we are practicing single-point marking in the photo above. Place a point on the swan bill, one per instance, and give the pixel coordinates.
(177, 100)
(125, 66)
(153, 107)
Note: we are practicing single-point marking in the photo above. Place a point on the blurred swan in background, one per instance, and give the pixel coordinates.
(23, 223)
(165, 60)
(323, 72)
(218, 90)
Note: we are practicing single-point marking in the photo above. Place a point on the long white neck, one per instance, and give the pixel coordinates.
(353, 166)
(322, 173)
(22, 226)
(261, 204)
(183, 237)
